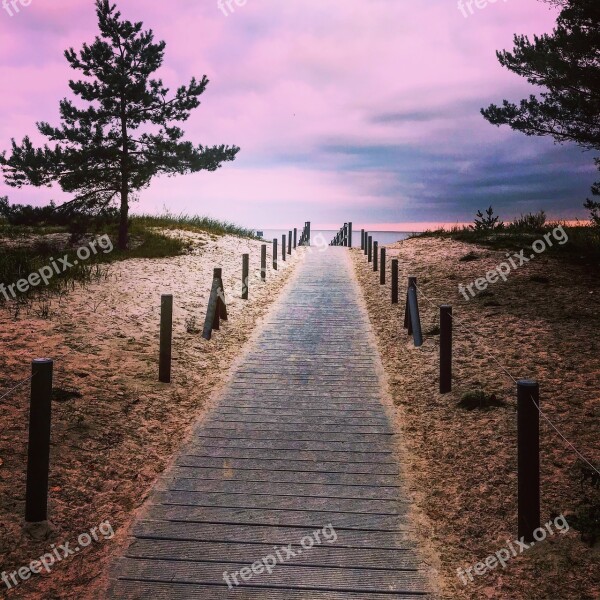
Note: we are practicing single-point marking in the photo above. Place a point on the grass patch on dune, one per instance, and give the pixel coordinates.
(583, 244)
(28, 248)
(193, 223)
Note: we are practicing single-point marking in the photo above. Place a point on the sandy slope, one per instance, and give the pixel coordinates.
(109, 445)
(463, 463)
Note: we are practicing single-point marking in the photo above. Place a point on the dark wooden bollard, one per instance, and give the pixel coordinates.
(289, 242)
(295, 237)
(166, 338)
(283, 247)
(263, 262)
(362, 239)
(394, 281)
(528, 434)
(445, 348)
(275, 254)
(375, 256)
(350, 234)
(382, 267)
(412, 282)
(245, 275)
(366, 248)
(370, 248)
(38, 458)
(414, 328)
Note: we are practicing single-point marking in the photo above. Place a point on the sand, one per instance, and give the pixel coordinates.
(114, 427)
(461, 464)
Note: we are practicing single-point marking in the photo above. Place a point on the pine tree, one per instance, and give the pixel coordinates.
(566, 64)
(125, 135)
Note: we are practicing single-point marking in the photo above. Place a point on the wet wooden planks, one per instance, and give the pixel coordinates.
(299, 442)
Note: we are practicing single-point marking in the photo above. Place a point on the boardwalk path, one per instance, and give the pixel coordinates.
(299, 440)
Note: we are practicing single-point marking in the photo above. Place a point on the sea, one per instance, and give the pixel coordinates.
(324, 236)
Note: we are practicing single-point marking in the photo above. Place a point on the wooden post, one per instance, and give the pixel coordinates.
(166, 338)
(412, 282)
(263, 262)
(350, 234)
(445, 348)
(415, 319)
(362, 239)
(375, 256)
(528, 434)
(283, 247)
(245, 275)
(382, 267)
(295, 237)
(308, 232)
(394, 281)
(290, 242)
(275, 254)
(38, 453)
(370, 248)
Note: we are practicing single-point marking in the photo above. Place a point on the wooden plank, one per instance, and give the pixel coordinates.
(284, 575)
(326, 555)
(332, 505)
(275, 464)
(142, 590)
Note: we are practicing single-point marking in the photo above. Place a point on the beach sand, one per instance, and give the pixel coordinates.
(542, 323)
(114, 427)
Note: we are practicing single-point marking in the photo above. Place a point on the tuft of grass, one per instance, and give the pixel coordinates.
(583, 246)
(469, 256)
(192, 223)
(478, 399)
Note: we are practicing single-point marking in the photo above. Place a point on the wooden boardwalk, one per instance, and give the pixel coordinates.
(299, 440)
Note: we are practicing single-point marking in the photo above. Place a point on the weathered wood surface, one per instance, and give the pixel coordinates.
(299, 440)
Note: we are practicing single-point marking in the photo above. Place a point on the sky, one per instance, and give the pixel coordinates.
(345, 110)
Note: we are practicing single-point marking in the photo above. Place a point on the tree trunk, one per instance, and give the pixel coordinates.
(124, 220)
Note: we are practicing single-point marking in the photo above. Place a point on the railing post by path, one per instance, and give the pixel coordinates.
(283, 247)
(295, 237)
(38, 457)
(375, 256)
(263, 262)
(445, 348)
(412, 282)
(366, 248)
(370, 248)
(394, 281)
(382, 268)
(528, 434)
(245, 275)
(414, 317)
(344, 233)
(275, 254)
(217, 308)
(290, 243)
(166, 338)
(350, 234)
(362, 239)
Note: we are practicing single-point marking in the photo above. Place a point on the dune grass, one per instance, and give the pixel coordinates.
(193, 223)
(19, 259)
(583, 245)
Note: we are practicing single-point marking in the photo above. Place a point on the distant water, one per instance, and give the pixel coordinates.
(325, 236)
